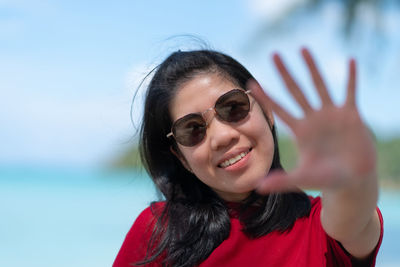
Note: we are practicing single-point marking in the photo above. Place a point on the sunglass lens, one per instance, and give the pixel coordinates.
(190, 130)
(233, 106)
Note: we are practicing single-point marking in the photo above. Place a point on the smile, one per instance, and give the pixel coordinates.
(233, 160)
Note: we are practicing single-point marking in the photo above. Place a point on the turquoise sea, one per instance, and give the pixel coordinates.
(78, 217)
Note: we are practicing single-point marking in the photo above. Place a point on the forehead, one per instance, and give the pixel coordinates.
(199, 94)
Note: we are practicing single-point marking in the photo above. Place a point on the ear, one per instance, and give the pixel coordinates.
(270, 118)
(182, 159)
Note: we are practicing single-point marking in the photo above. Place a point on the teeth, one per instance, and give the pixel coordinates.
(233, 160)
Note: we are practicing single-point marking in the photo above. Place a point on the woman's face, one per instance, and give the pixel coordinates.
(251, 137)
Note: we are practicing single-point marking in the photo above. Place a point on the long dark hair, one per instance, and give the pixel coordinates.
(194, 219)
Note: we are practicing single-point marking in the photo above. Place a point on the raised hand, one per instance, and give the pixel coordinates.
(336, 150)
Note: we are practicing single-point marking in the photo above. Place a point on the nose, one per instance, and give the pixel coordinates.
(221, 134)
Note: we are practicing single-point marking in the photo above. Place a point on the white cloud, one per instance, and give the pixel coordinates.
(51, 126)
(392, 22)
(272, 9)
(47, 129)
(367, 15)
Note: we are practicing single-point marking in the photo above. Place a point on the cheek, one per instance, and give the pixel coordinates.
(261, 134)
(265, 142)
(260, 126)
(195, 158)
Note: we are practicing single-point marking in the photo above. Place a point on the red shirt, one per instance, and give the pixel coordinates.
(305, 245)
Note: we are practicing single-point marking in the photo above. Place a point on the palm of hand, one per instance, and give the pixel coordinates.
(335, 147)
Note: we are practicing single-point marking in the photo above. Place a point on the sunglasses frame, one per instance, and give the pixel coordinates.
(246, 92)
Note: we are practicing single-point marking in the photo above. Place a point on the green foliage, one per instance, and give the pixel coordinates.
(129, 160)
(389, 159)
(287, 152)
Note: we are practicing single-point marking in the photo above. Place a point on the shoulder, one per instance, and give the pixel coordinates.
(134, 248)
(311, 221)
(148, 217)
(315, 208)
(316, 204)
(144, 224)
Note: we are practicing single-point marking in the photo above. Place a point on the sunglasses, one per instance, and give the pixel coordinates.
(232, 106)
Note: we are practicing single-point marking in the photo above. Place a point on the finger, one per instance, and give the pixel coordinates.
(277, 181)
(318, 176)
(267, 103)
(307, 176)
(316, 77)
(351, 84)
(291, 84)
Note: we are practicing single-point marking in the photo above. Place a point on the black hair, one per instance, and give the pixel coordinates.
(194, 219)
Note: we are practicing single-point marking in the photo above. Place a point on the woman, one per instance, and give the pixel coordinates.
(208, 141)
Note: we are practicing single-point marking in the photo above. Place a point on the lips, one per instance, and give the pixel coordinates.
(232, 160)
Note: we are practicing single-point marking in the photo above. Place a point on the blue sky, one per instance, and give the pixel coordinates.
(69, 69)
